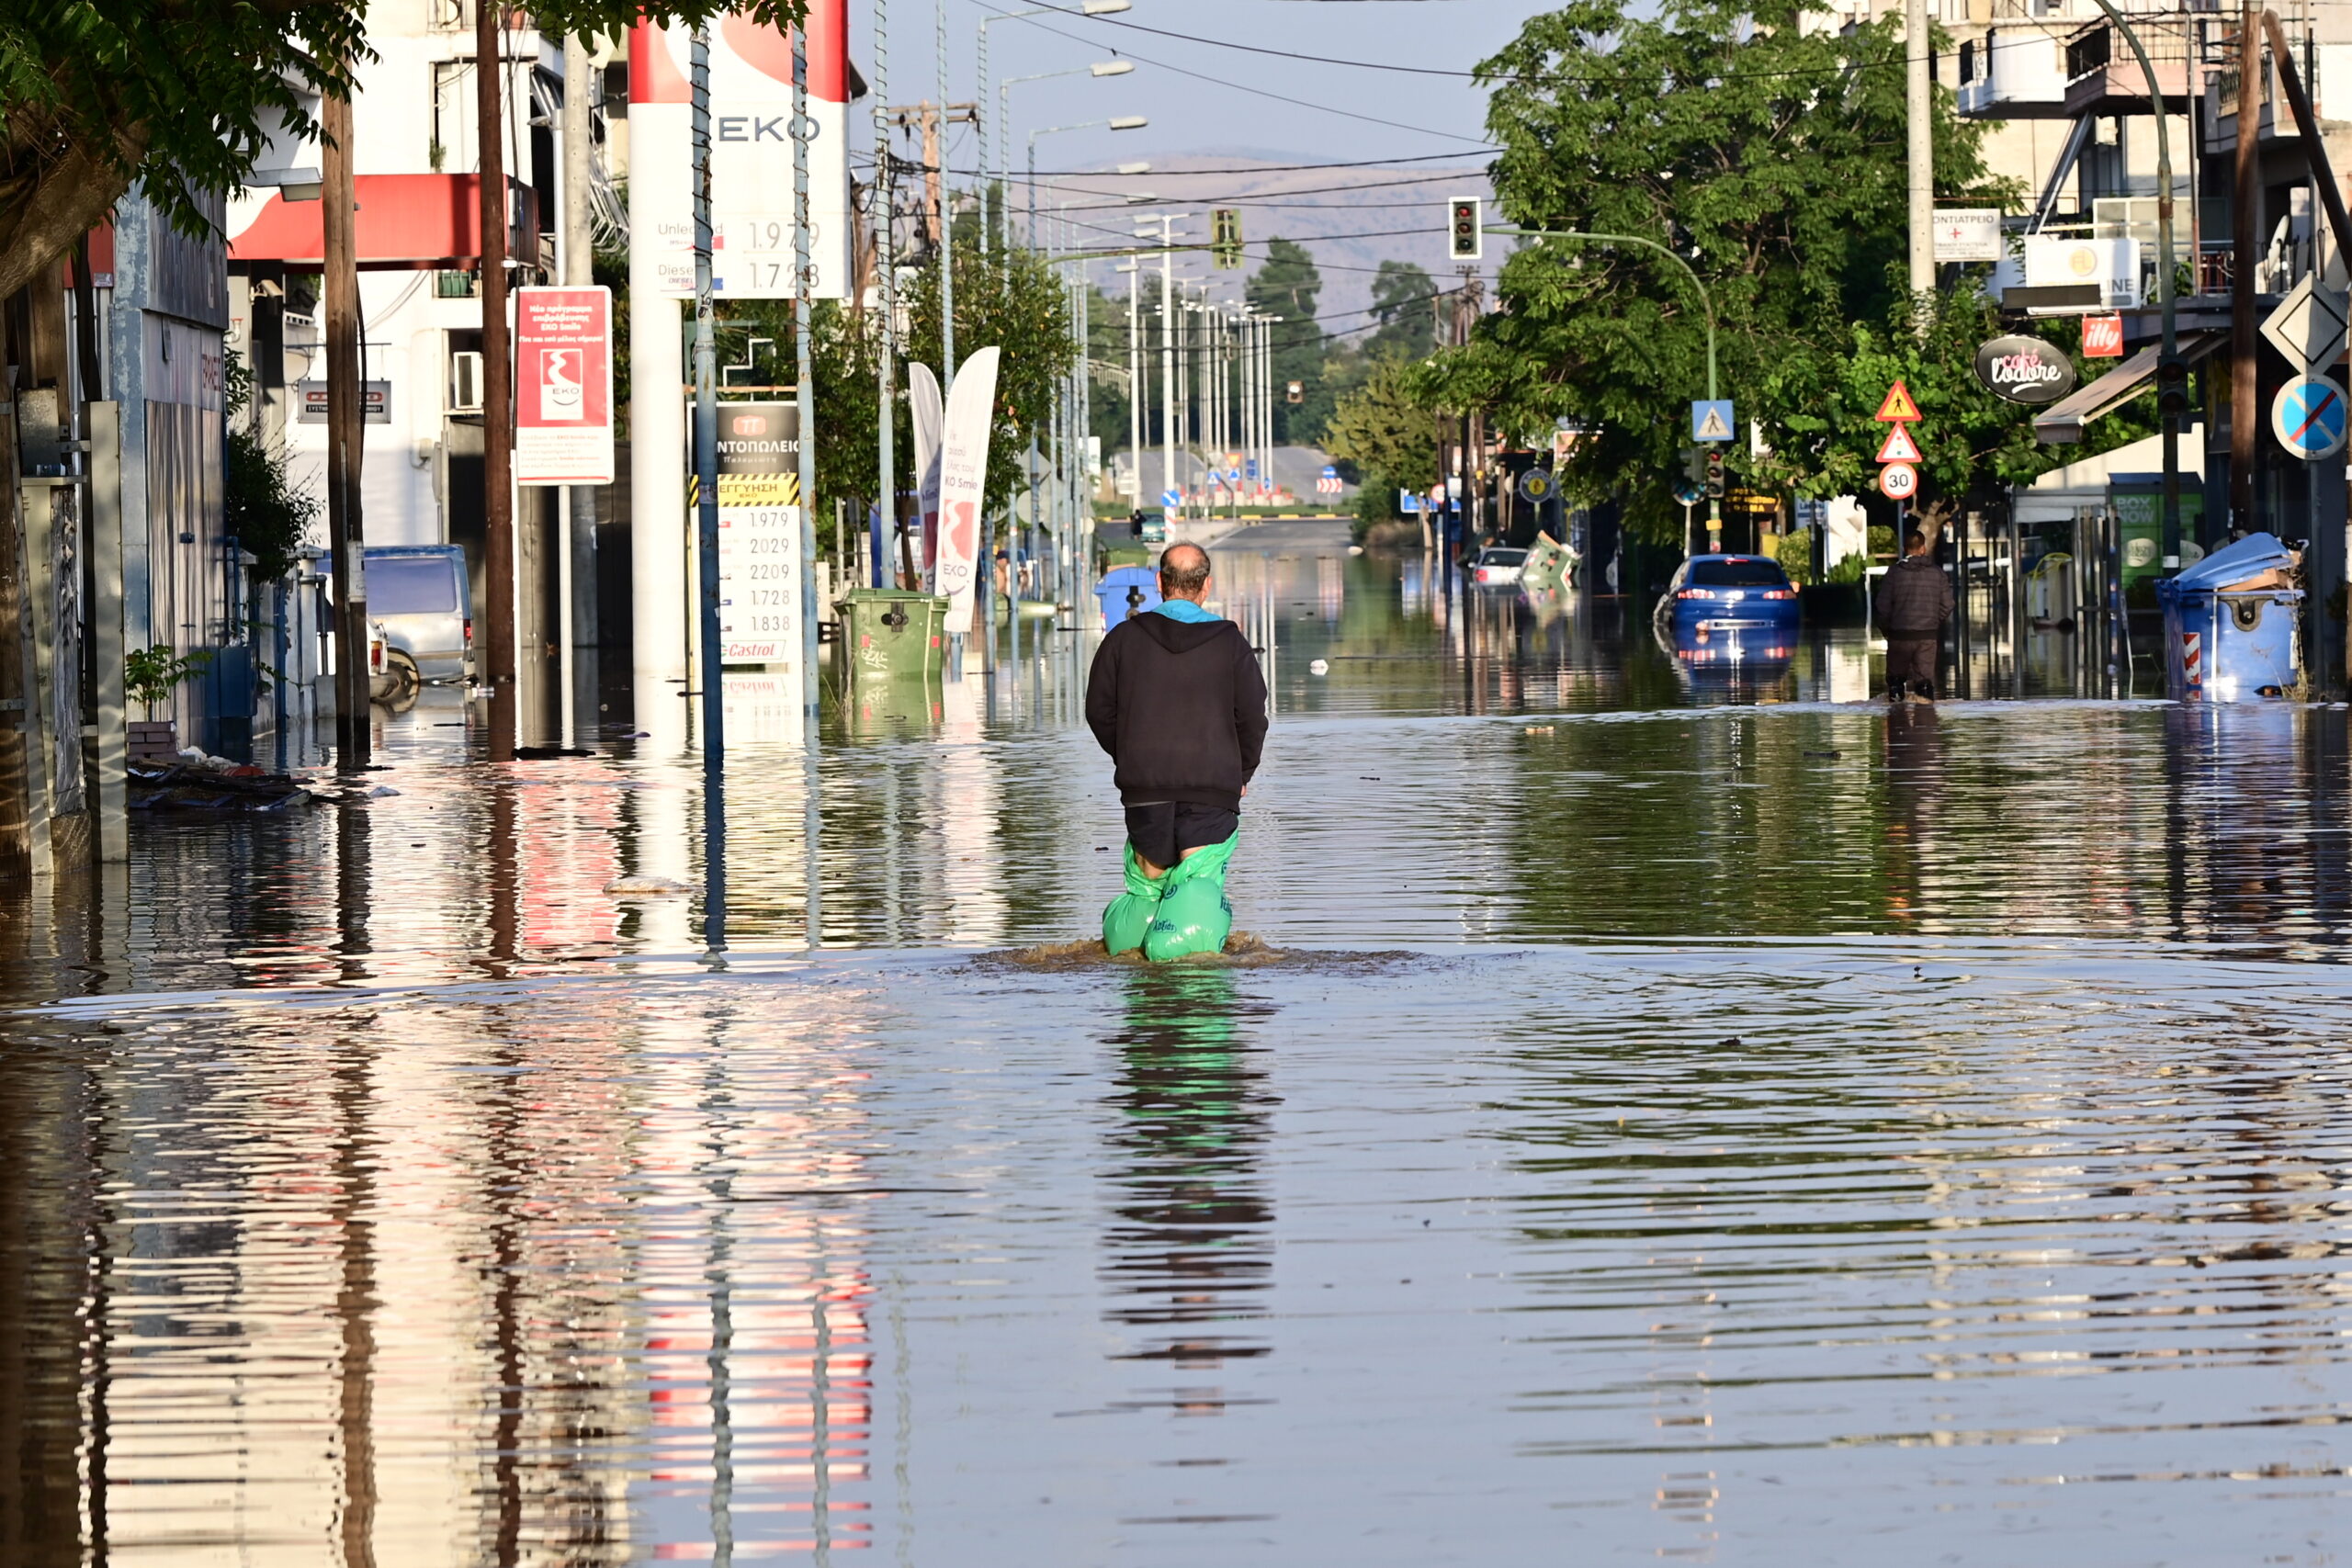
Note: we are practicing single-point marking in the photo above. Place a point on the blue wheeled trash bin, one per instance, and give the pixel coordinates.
(1125, 592)
(2233, 624)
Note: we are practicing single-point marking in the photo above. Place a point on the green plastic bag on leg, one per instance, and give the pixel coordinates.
(1129, 916)
(1193, 916)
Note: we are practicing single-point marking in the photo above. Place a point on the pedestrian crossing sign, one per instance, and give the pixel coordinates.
(1898, 408)
(1711, 419)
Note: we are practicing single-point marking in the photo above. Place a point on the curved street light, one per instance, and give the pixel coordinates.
(1116, 122)
(1099, 69)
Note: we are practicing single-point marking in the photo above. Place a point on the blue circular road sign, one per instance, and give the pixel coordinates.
(2309, 417)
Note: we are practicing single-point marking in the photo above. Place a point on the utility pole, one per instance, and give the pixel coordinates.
(886, 280)
(1919, 103)
(346, 535)
(576, 561)
(805, 396)
(497, 383)
(1168, 353)
(708, 668)
(1134, 382)
(947, 261)
(2245, 221)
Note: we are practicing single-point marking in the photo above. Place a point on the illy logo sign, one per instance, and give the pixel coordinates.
(2102, 337)
(2025, 370)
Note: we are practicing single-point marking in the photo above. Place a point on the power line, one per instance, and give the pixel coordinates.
(1455, 73)
(1254, 92)
(1013, 175)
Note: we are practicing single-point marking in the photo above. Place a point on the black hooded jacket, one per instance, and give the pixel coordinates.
(1182, 709)
(1914, 598)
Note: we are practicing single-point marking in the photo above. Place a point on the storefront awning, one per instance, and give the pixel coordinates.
(2062, 423)
(406, 221)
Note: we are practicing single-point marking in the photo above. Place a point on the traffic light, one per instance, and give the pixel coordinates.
(1225, 238)
(1464, 231)
(1714, 473)
(2172, 384)
(1694, 463)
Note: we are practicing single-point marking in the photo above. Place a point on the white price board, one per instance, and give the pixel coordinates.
(754, 248)
(759, 586)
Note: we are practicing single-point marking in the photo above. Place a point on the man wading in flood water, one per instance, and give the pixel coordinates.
(1177, 699)
(1914, 602)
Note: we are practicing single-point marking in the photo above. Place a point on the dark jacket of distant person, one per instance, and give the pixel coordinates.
(1180, 707)
(1914, 598)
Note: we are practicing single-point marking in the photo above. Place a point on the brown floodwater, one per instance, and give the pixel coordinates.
(1655, 1111)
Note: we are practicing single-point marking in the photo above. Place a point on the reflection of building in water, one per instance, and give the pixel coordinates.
(1192, 1247)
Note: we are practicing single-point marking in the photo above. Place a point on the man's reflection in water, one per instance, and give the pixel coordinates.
(1915, 783)
(1192, 1247)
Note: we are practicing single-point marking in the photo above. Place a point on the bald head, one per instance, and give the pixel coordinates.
(1184, 572)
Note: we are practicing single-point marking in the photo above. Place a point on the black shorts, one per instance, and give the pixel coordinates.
(1163, 830)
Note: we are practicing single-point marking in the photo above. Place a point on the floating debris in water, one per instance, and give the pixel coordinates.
(1320, 667)
(647, 887)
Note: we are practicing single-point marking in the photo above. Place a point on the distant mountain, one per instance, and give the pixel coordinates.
(1351, 219)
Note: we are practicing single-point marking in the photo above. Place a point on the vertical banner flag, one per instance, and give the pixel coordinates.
(759, 533)
(963, 481)
(922, 398)
(563, 403)
(751, 153)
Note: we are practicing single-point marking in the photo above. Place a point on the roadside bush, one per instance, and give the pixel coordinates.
(1795, 552)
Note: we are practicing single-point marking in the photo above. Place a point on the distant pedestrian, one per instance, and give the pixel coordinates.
(1913, 603)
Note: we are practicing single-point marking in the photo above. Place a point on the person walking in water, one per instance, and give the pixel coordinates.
(1177, 699)
(1914, 601)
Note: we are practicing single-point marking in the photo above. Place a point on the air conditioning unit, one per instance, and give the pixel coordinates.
(465, 382)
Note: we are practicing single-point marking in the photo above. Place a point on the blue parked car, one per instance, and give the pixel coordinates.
(1720, 593)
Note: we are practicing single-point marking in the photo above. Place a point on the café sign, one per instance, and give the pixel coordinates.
(2027, 371)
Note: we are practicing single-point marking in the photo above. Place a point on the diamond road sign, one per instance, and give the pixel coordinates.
(2308, 327)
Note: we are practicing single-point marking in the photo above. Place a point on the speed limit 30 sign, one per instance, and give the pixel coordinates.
(1898, 481)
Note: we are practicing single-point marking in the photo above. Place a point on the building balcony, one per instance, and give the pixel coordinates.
(2103, 76)
(2013, 73)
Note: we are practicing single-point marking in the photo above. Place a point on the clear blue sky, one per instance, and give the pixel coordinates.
(1248, 103)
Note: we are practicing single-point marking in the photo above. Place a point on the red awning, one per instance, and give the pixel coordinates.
(406, 221)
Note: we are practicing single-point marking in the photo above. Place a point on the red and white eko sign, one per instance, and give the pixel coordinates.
(2102, 337)
(563, 386)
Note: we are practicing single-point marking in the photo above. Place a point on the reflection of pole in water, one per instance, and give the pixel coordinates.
(1193, 1244)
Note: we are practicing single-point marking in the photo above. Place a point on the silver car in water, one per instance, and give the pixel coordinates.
(421, 594)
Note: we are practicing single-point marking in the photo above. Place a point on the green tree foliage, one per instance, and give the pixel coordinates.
(1011, 299)
(1106, 352)
(1388, 437)
(1286, 285)
(1767, 154)
(261, 508)
(1823, 403)
(184, 94)
(1404, 302)
(1014, 298)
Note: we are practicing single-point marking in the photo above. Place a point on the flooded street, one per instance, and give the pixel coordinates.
(1672, 1108)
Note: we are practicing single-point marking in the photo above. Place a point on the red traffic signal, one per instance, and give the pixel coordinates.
(1464, 232)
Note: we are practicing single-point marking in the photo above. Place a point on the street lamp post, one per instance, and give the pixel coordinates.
(980, 119)
(1100, 68)
(2167, 356)
(1133, 270)
(1116, 122)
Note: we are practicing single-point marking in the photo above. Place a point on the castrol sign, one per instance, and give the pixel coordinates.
(2025, 370)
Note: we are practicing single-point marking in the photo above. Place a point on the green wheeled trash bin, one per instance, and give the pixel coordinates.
(892, 634)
